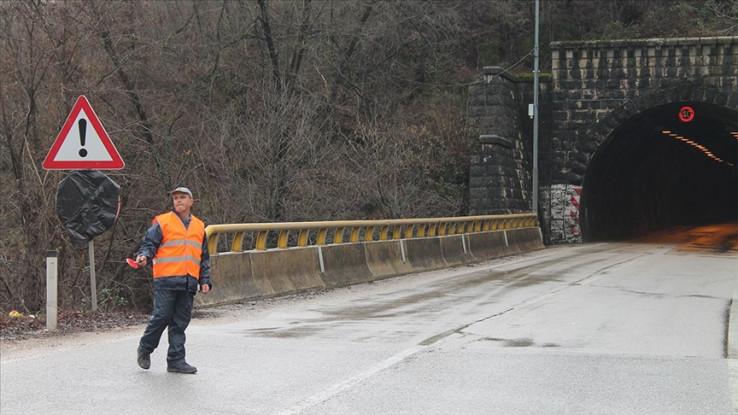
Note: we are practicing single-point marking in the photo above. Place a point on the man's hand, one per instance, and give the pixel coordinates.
(141, 260)
(205, 288)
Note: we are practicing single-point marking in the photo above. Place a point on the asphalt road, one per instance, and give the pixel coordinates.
(631, 328)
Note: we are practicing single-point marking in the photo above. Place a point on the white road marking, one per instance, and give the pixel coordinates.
(349, 383)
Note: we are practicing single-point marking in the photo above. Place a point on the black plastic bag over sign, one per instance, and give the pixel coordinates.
(87, 203)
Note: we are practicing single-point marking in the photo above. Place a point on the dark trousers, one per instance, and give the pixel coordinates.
(172, 308)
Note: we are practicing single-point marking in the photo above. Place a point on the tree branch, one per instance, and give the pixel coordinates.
(269, 38)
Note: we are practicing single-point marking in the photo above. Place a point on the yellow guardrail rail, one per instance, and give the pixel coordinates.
(387, 229)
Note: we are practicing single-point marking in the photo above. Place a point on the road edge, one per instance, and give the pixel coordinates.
(731, 350)
(732, 341)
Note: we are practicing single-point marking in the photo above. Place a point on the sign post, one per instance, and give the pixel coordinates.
(93, 281)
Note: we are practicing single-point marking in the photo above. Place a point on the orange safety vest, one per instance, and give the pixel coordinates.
(180, 250)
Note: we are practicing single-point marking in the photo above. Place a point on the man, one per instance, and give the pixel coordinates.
(177, 246)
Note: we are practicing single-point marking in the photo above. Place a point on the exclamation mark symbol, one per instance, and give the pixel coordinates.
(82, 124)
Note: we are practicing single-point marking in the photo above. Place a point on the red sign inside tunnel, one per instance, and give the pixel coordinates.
(686, 113)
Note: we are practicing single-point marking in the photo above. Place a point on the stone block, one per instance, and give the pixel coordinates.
(496, 140)
(732, 100)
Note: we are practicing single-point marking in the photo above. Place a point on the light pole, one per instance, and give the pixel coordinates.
(535, 116)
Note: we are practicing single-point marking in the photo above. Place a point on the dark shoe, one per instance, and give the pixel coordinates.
(182, 367)
(144, 359)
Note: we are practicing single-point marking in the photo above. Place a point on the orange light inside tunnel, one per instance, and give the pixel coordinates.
(698, 146)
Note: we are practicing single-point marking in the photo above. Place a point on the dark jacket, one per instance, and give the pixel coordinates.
(150, 244)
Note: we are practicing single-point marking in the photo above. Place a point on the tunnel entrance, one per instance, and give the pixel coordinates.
(671, 165)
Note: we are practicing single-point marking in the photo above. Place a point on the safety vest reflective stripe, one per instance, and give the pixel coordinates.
(179, 242)
(176, 259)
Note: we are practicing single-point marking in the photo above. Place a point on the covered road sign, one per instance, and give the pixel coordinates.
(88, 203)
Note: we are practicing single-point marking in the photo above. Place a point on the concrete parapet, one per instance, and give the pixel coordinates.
(386, 259)
(233, 280)
(286, 270)
(454, 250)
(525, 240)
(487, 245)
(424, 253)
(345, 264)
(258, 274)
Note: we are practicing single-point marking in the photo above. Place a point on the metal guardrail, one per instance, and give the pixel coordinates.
(387, 230)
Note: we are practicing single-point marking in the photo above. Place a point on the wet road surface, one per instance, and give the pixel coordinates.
(621, 328)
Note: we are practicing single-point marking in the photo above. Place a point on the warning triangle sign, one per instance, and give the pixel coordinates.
(83, 143)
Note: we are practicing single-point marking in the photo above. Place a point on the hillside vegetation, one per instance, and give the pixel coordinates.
(268, 110)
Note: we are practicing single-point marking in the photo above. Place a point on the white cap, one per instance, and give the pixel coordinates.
(182, 190)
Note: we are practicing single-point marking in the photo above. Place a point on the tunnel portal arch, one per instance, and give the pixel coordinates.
(665, 159)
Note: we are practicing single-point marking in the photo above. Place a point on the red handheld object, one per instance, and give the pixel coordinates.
(132, 263)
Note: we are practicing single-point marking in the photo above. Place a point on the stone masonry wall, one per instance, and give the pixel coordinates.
(500, 178)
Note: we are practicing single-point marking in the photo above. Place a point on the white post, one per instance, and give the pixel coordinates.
(51, 288)
(93, 283)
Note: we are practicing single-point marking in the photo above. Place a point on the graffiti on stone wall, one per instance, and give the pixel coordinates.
(560, 204)
(575, 195)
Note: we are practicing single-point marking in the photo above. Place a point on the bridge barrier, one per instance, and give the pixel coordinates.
(386, 258)
(488, 245)
(454, 251)
(344, 265)
(524, 240)
(424, 253)
(311, 256)
(286, 271)
(232, 278)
